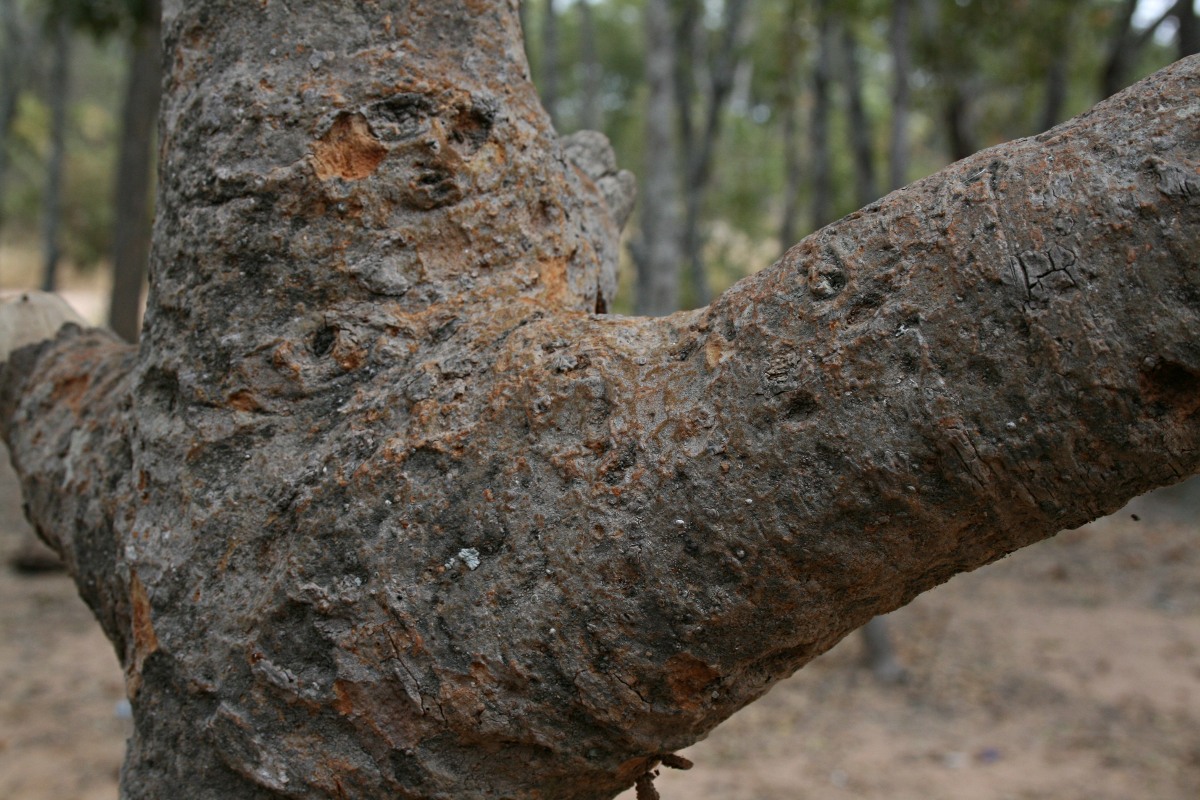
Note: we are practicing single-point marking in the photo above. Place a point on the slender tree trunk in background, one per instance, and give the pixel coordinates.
(700, 148)
(523, 21)
(549, 61)
(135, 177)
(11, 77)
(793, 165)
(1056, 85)
(446, 534)
(691, 61)
(1120, 45)
(822, 169)
(1126, 44)
(959, 117)
(60, 74)
(657, 250)
(866, 189)
(1189, 28)
(900, 36)
(590, 115)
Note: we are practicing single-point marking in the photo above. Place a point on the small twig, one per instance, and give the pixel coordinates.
(645, 787)
(675, 762)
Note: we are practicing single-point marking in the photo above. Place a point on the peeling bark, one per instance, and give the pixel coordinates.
(378, 508)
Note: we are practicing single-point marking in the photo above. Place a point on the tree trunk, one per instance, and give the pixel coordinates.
(657, 249)
(1189, 28)
(822, 171)
(548, 82)
(793, 165)
(1056, 85)
(1125, 46)
(865, 188)
(11, 76)
(959, 117)
(590, 116)
(378, 509)
(52, 195)
(135, 160)
(901, 44)
(700, 146)
(1121, 44)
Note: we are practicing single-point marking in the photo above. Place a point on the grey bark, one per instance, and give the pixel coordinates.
(135, 160)
(900, 38)
(60, 74)
(657, 249)
(377, 508)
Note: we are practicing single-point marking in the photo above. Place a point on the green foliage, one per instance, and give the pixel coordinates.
(92, 129)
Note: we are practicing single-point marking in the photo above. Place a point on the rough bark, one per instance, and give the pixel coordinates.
(131, 203)
(379, 509)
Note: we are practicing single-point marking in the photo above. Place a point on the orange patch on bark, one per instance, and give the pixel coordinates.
(244, 401)
(145, 641)
(71, 390)
(689, 678)
(347, 150)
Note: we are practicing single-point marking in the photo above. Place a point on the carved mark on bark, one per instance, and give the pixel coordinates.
(348, 150)
(827, 277)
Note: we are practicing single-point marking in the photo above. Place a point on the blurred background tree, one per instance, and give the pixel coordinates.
(786, 114)
(749, 122)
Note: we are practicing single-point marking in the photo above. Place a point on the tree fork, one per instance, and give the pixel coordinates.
(380, 508)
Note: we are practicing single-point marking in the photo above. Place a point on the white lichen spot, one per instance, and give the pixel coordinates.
(470, 557)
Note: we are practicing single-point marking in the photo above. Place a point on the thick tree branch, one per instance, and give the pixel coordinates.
(379, 509)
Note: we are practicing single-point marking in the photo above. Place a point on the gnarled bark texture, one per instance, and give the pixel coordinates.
(379, 508)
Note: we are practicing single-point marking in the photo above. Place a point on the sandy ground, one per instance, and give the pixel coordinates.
(1070, 670)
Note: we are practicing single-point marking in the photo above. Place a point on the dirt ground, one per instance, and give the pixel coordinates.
(1070, 670)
